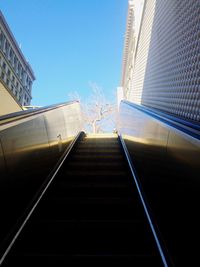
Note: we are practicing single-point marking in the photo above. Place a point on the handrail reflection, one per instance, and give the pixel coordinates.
(189, 127)
(27, 113)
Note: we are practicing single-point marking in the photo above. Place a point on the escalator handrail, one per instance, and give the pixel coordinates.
(35, 201)
(189, 127)
(166, 259)
(31, 112)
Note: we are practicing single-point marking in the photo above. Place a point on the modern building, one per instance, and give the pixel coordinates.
(131, 36)
(166, 71)
(16, 75)
(120, 96)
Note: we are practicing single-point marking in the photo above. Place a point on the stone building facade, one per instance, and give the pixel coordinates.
(16, 75)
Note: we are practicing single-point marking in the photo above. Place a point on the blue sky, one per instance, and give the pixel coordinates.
(69, 43)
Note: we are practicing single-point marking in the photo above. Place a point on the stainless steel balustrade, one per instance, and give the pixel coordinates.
(169, 138)
(166, 157)
(31, 142)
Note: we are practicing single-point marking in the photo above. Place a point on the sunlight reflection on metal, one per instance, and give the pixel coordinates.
(30, 146)
(101, 135)
(167, 162)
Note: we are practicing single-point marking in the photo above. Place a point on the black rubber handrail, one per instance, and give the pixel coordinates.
(189, 127)
(27, 113)
(15, 232)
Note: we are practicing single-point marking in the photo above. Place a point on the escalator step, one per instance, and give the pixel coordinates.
(55, 260)
(91, 214)
(87, 237)
(88, 208)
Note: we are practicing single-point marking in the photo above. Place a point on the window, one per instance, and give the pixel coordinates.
(4, 65)
(7, 81)
(17, 84)
(2, 75)
(11, 53)
(6, 46)
(15, 62)
(18, 69)
(1, 39)
(8, 73)
(22, 73)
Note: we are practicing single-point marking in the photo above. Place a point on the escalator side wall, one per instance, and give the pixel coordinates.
(31, 147)
(167, 161)
(2, 162)
(144, 129)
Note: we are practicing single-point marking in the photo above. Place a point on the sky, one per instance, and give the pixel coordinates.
(69, 45)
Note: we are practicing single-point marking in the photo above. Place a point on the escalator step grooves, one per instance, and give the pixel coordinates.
(91, 214)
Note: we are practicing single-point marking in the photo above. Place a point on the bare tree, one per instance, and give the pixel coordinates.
(97, 111)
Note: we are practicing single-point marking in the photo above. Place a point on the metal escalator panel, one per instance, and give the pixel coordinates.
(90, 214)
(165, 151)
(31, 143)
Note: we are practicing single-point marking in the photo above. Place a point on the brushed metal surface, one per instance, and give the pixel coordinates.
(31, 146)
(142, 129)
(2, 163)
(26, 151)
(73, 119)
(167, 162)
(146, 140)
(23, 143)
(185, 149)
(56, 131)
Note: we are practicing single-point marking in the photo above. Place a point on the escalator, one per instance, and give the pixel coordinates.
(90, 214)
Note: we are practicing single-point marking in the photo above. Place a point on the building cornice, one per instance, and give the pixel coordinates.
(129, 26)
(15, 44)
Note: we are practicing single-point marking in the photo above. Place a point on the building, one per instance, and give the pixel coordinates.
(131, 36)
(120, 96)
(128, 54)
(16, 75)
(166, 71)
